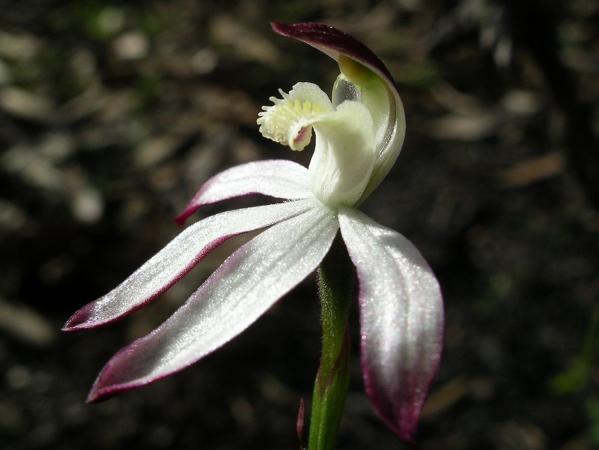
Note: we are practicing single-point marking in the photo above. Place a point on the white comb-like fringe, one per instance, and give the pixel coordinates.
(289, 119)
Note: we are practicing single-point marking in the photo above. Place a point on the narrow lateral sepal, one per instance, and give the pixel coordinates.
(243, 288)
(175, 260)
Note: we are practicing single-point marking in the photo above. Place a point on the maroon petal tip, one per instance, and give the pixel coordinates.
(79, 320)
(407, 429)
(402, 416)
(402, 421)
(333, 42)
(82, 319)
(100, 393)
(95, 397)
(106, 384)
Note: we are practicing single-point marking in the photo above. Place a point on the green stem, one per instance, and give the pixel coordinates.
(335, 283)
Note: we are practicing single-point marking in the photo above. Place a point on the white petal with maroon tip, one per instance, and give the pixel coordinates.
(276, 178)
(401, 319)
(365, 78)
(176, 259)
(249, 282)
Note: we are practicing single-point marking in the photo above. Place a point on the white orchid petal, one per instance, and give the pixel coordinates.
(401, 319)
(176, 259)
(233, 297)
(276, 178)
(345, 151)
(344, 154)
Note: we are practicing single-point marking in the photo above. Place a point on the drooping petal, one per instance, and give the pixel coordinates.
(365, 77)
(276, 178)
(234, 296)
(176, 259)
(401, 319)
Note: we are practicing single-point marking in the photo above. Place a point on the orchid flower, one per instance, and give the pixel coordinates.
(358, 135)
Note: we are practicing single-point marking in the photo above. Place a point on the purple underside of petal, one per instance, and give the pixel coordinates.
(401, 320)
(243, 288)
(333, 42)
(277, 178)
(176, 259)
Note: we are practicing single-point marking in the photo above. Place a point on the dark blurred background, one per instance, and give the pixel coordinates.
(113, 113)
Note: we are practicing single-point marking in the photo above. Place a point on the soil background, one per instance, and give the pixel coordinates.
(113, 113)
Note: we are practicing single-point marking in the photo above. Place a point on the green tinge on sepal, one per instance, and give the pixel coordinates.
(336, 285)
(386, 110)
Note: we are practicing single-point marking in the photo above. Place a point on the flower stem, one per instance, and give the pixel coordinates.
(335, 287)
